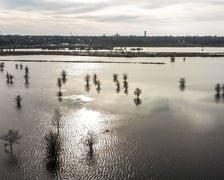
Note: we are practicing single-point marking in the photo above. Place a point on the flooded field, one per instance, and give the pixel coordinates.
(170, 133)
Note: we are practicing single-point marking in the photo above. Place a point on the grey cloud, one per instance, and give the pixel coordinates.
(84, 7)
(57, 7)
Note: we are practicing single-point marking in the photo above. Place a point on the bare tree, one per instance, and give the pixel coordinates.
(12, 137)
(11, 78)
(7, 77)
(59, 84)
(95, 79)
(18, 100)
(115, 77)
(223, 89)
(182, 83)
(2, 65)
(64, 76)
(137, 92)
(21, 66)
(117, 86)
(217, 89)
(26, 70)
(87, 79)
(137, 100)
(26, 77)
(125, 77)
(172, 59)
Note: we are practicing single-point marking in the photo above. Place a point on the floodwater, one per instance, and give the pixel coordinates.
(172, 134)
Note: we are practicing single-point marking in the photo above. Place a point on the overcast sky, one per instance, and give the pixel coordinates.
(126, 17)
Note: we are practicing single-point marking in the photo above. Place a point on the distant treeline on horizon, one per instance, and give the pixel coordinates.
(45, 41)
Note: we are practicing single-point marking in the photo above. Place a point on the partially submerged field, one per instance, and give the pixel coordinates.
(172, 134)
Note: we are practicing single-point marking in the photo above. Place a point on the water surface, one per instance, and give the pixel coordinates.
(172, 134)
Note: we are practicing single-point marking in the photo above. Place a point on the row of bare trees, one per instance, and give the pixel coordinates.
(117, 83)
(9, 76)
(97, 83)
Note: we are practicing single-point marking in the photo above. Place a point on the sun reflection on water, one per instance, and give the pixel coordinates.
(78, 126)
(88, 119)
(83, 121)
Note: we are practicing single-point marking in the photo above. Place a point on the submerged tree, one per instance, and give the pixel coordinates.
(115, 77)
(95, 79)
(2, 65)
(172, 59)
(59, 84)
(223, 89)
(26, 70)
(117, 83)
(217, 89)
(26, 77)
(182, 83)
(126, 89)
(125, 83)
(125, 86)
(11, 78)
(12, 137)
(137, 100)
(137, 92)
(64, 76)
(125, 77)
(21, 66)
(18, 100)
(7, 77)
(87, 79)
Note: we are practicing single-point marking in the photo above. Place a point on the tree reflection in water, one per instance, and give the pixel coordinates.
(217, 98)
(12, 160)
(137, 101)
(90, 141)
(53, 149)
(87, 87)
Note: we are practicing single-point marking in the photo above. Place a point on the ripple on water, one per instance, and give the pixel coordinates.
(78, 99)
